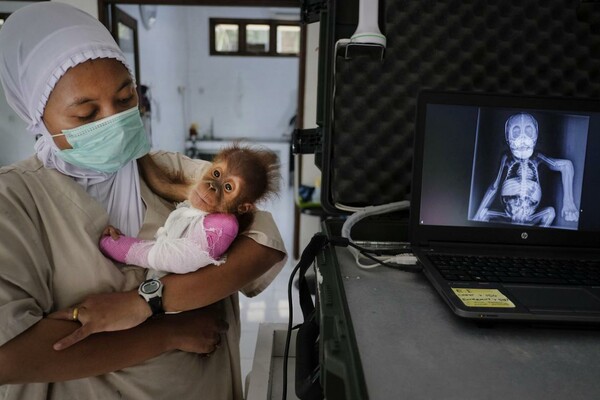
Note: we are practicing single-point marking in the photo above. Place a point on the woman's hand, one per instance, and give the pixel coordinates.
(103, 313)
(197, 331)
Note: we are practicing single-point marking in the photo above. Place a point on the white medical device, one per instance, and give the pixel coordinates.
(367, 30)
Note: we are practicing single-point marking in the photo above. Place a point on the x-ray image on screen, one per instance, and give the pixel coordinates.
(528, 168)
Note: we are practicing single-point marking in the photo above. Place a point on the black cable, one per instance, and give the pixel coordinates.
(401, 267)
(288, 335)
(317, 243)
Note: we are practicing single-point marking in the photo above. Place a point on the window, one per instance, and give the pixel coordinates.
(288, 39)
(249, 37)
(257, 38)
(226, 38)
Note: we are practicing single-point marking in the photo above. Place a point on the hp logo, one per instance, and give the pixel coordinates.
(524, 235)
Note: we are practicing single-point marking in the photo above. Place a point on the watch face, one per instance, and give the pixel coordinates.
(150, 287)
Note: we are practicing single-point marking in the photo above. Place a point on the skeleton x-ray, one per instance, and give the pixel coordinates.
(528, 168)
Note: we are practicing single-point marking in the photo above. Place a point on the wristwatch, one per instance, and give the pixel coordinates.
(151, 291)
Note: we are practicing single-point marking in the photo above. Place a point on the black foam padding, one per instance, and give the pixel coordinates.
(544, 47)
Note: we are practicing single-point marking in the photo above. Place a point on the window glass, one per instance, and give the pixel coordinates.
(288, 39)
(257, 38)
(226, 37)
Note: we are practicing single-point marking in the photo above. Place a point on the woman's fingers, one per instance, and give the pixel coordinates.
(77, 336)
(77, 314)
(103, 312)
(66, 314)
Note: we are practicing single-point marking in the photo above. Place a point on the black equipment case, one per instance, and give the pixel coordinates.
(367, 98)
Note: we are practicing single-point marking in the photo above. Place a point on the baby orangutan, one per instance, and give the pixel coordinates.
(214, 209)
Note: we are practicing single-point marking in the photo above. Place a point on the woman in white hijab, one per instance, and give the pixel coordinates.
(65, 76)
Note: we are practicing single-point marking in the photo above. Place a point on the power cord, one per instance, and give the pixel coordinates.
(404, 261)
(316, 244)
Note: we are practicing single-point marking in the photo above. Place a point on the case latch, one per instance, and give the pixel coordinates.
(306, 141)
(311, 10)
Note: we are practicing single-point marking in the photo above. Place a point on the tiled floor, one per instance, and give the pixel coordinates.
(269, 306)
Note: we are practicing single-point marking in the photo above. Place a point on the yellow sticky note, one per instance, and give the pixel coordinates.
(483, 298)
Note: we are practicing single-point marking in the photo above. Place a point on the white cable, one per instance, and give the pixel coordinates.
(371, 210)
(344, 207)
(340, 42)
(406, 259)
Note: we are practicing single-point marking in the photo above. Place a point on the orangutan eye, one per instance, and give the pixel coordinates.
(228, 187)
(216, 173)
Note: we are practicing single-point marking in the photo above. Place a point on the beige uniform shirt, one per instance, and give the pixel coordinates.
(49, 260)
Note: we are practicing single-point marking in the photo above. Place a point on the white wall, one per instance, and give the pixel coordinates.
(247, 96)
(17, 143)
(250, 97)
(164, 68)
(12, 6)
(89, 6)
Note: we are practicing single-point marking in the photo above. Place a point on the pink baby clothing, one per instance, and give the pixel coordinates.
(190, 239)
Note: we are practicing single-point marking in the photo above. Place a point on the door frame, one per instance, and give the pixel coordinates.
(120, 16)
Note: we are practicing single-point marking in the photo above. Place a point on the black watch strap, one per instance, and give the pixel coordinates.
(156, 306)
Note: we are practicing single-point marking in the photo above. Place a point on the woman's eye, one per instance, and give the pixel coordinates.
(126, 100)
(216, 174)
(88, 117)
(228, 187)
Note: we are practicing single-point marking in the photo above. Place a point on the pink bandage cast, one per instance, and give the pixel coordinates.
(190, 239)
(221, 230)
(117, 249)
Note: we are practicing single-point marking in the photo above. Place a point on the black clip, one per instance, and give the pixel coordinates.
(311, 10)
(306, 141)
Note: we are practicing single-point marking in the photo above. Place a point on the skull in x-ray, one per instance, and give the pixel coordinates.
(521, 131)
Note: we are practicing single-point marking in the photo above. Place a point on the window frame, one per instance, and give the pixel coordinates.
(242, 24)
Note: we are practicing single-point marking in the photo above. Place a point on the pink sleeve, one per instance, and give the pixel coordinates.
(117, 249)
(221, 231)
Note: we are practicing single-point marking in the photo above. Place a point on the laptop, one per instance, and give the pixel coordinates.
(505, 205)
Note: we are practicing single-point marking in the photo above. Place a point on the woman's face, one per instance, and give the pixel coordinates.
(88, 92)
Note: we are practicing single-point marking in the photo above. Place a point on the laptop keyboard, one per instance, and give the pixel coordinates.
(517, 270)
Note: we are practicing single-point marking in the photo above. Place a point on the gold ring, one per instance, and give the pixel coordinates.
(75, 315)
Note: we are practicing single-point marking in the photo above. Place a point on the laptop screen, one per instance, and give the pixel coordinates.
(507, 169)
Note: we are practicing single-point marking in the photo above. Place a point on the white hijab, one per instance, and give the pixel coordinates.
(38, 44)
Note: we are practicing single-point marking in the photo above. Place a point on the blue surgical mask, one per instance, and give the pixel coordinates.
(108, 144)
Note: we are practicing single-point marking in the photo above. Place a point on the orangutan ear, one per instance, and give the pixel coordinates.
(245, 208)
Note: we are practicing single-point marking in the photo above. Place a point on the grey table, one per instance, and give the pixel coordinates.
(393, 332)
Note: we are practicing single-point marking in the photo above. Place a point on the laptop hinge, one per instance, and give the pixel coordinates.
(508, 249)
